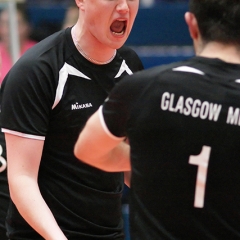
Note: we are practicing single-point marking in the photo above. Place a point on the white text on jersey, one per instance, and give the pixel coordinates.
(191, 107)
(77, 106)
(233, 117)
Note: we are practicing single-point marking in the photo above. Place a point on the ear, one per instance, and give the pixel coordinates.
(80, 3)
(192, 25)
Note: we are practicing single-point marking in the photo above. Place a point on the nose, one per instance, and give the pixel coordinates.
(122, 6)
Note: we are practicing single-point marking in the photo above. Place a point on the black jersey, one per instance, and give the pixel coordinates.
(183, 124)
(4, 191)
(48, 95)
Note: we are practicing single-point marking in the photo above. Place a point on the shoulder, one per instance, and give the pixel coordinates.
(131, 57)
(162, 73)
(57, 42)
(127, 52)
(53, 41)
(46, 56)
(189, 66)
(28, 44)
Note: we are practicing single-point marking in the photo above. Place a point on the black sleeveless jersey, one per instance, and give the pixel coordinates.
(183, 124)
(48, 95)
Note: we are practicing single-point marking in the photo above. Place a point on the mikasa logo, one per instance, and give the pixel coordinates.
(77, 106)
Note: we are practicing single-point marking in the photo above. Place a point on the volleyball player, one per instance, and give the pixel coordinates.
(182, 121)
(46, 99)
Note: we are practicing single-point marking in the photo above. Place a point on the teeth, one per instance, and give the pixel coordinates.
(118, 34)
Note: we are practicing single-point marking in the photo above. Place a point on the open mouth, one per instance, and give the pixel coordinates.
(118, 27)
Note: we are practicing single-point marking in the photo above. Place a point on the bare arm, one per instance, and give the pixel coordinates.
(127, 178)
(95, 147)
(127, 175)
(23, 156)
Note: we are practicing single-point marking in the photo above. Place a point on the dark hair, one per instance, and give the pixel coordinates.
(22, 9)
(218, 20)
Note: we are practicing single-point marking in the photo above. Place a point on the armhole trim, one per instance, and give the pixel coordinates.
(104, 126)
(4, 130)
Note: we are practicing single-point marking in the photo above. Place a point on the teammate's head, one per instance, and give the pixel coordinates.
(218, 20)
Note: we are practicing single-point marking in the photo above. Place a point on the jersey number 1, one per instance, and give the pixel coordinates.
(201, 161)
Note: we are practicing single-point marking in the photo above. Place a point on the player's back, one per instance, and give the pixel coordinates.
(186, 159)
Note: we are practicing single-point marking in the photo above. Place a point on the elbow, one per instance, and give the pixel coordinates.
(17, 184)
(13, 192)
(75, 151)
(12, 189)
(86, 157)
(13, 196)
(78, 153)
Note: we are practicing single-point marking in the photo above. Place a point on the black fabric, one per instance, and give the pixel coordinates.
(50, 93)
(170, 114)
(4, 191)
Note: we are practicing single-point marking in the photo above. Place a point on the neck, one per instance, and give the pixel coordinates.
(102, 55)
(227, 53)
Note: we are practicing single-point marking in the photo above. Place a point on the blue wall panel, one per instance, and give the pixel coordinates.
(162, 25)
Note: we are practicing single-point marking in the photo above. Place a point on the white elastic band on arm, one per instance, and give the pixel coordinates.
(4, 130)
(105, 126)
